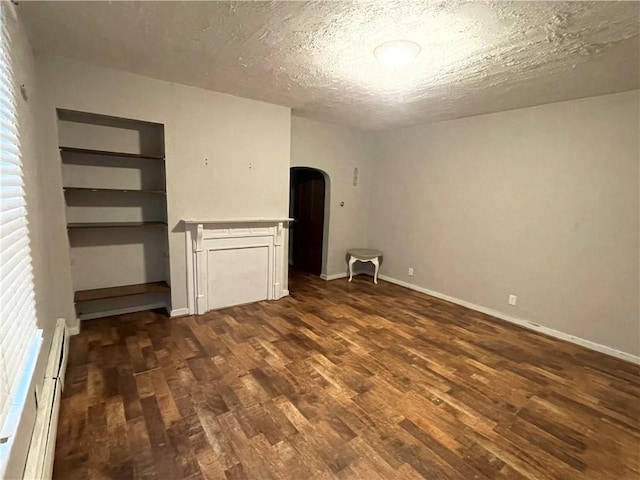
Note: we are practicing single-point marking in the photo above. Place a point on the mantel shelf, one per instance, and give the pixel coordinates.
(89, 151)
(118, 190)
(239, 220)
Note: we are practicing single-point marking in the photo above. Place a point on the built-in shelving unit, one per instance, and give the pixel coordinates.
(113, 173)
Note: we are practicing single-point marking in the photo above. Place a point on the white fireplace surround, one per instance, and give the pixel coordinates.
(235, 261)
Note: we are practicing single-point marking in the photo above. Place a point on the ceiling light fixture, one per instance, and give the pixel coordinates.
(397, 54)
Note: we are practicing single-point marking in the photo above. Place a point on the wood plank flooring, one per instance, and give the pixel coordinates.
(342, 381)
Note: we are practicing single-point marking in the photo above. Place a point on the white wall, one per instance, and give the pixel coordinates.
(337, 150)
(24, 74)
(225, 156)
(48, 306)
(539, 202)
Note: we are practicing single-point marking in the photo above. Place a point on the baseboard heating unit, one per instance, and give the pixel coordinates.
(42, 449)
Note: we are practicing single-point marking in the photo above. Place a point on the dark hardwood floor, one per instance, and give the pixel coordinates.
(342, 381)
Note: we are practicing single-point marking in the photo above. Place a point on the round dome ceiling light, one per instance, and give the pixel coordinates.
(397, 54)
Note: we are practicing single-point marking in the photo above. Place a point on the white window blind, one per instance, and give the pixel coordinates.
(17, 306)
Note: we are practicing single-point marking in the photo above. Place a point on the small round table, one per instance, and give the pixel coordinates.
(364, 255)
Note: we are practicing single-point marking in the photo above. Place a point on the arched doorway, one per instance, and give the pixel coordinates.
(308, 197)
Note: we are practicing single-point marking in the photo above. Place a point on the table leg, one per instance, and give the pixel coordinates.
(376, 264)
(352, 260)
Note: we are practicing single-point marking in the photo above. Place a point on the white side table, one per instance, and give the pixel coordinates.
(364, 255)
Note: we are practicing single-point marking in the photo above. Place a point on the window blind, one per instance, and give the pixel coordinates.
(17, 306)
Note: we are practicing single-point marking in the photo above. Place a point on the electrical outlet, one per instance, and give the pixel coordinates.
(512, 299)
(411, 272)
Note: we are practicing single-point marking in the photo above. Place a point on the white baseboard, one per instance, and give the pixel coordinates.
(285, 293)
(335, 276)
(179, 312)
(518, 321)
(75, 330)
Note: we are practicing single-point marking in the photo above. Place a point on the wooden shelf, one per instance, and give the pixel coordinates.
(109, 154)
(122, 291)
(104, 302)
(118, 190)
(76, 226)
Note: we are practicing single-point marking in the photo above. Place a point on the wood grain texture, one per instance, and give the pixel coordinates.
(342, 381)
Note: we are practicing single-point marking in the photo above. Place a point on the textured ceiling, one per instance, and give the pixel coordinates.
(317, 57)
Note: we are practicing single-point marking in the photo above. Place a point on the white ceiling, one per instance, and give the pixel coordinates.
(317, 57)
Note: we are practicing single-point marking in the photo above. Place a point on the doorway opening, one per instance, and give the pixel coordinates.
(308, 206)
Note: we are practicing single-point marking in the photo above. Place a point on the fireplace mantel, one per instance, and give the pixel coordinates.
(235, 260)
(240, 220)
